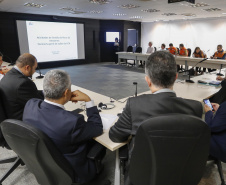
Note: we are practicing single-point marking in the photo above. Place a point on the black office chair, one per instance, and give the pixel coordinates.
(15, 160)
(189, 52)
(170, 149)
(138, 50)
(129, 49)
(40, 154)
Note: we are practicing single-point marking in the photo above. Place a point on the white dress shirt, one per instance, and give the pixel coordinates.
(150, 50)
(88, 104)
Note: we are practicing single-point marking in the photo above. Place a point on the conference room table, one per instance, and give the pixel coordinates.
(193, 91)
(187, 61)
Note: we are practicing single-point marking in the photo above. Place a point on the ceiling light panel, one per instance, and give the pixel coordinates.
(100, 2)
(212, 9)
(34, 5)
(136, 17)
(150, 10)
(96, 12)
(72, 10)
(69, 9)
(128, 6)
(119, 14)
(169, 14)
(76, 12)
(188, 15)
(199, 5)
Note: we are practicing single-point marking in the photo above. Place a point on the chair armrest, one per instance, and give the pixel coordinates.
(97, 151)
(123, 153)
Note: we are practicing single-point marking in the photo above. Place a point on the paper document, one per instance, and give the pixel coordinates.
(107, 120)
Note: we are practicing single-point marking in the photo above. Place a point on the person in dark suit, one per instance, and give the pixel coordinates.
(161, 73)
(220, 96)
(17, 88)
(216, 122)
(69, 131)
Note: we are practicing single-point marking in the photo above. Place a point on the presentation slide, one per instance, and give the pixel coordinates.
(110, 36)
(51, 41)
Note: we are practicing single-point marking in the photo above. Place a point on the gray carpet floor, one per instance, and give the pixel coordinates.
(114, 81)
(106, 78)
(21, 176)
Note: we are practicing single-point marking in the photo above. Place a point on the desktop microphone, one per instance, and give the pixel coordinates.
(40, 74)
(135, 83)
(189, 75)
(201, 61)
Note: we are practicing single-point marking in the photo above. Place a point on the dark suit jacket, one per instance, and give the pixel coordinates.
(143, 107)
(16, 89)
(220, 96)
(68, 131)
(217, 125)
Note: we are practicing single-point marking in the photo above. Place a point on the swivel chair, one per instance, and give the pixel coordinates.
(138, 50)
(129, 49)
(189, 52)
(40, 154)
(219, 167)
(16, 160)
(170, 149)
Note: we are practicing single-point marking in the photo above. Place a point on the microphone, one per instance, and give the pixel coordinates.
(135, 83)
(189, 80)
(40, 74)
(201, 61)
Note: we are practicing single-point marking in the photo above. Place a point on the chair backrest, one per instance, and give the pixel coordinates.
(170, 149)
(138, 50)
(155, 49)
(189, 52)
(130, 49)
(2, 118)
(38, 152)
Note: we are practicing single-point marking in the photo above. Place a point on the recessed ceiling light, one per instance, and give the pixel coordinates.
(136, 17)
(68, 9)
(96, 12)
(76, 12)
(199, 5)
(119, 14)
(99, 1)
(212, 9)
(128, 6)
(188, 14)
(150, 10)
(34, 5)
(169, 14)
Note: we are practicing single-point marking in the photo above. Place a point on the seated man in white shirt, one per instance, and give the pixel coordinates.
(150, 48)
(69, 131)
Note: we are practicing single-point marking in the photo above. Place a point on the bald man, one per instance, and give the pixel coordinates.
(17, 87)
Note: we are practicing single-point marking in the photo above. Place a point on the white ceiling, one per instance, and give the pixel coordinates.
(52, 7)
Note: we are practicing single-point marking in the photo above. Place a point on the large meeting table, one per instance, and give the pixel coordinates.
(193, 91)
(187, 61)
